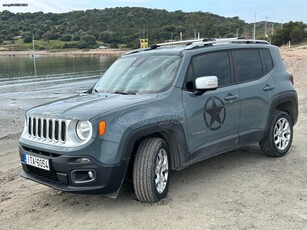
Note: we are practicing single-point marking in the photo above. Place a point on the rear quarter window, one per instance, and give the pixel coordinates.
(267, 60)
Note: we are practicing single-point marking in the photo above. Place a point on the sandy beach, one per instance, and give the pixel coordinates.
(238, 190)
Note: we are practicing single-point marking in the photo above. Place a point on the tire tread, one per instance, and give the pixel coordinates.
(266, 144)
(142, 170)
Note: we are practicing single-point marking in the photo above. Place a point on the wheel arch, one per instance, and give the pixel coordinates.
(173, 135)
(286, 102)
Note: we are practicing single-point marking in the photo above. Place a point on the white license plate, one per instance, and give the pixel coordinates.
(36, 162)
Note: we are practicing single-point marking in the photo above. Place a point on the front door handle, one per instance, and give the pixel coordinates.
(231, 97)
(268, 87)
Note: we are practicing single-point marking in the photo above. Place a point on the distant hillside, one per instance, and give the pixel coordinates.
(115, 26)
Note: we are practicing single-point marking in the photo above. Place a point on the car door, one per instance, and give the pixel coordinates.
(252, 67)
(214, 115)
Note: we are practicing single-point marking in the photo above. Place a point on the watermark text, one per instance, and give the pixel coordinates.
(15, 5)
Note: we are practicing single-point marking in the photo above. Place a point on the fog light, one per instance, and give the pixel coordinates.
(81, 176)
(90, 174)
(83, 160)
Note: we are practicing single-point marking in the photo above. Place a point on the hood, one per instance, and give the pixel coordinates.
(87, 106)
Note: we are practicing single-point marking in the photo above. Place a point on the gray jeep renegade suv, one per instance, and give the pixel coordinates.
(159, 109)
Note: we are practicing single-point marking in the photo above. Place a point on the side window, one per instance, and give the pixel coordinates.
(267, 59)
(247, 64)
(209, 64)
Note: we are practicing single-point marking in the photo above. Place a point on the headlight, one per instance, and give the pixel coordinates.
(84, 130)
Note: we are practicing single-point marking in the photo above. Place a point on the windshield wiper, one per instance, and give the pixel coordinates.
(124, 93)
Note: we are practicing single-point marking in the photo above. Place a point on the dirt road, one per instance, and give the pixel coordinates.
(238, 190)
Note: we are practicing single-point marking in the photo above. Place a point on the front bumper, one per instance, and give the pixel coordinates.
(67, 175)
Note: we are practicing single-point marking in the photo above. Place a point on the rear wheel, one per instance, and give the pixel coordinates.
(151, 170)
(279, 138)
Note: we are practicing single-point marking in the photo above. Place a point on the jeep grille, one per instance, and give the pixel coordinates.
(47, 130)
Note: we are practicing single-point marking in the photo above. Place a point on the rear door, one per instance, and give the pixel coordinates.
(252, 67)
(214, 120)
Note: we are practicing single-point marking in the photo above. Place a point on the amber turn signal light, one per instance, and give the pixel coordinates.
(102, 128)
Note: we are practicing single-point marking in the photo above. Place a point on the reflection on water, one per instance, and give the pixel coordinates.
(25, 67)
(34, 65)
(19, 73)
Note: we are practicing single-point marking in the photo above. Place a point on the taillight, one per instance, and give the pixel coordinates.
(292, 79)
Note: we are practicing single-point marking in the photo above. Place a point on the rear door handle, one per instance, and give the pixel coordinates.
(268, 87)
(231, 97)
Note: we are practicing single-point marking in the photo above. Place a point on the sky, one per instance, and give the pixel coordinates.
(273, 10)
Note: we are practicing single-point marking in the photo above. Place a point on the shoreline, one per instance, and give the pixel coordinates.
(115, 52)
(92, 52)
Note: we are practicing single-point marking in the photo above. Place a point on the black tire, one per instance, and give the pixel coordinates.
(144, 170)
(277, 143)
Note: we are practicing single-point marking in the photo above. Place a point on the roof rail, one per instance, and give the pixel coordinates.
(185, 42)
(221, 41)
(239, 40)
(210, 42)
(194, 43)
(247, 41)
(190, 44)
(137, 51)
(199, 44)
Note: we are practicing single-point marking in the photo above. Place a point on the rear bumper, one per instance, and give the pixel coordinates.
(70, 176)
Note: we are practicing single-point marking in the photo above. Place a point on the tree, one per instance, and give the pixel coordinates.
(51, 36)
(292, 31)
(86, 41)
(5, 15)
(108, 36)
(66, 37)
(82, 45)
(27, 39)
(76, 37)
(14, 30)
(89, 39)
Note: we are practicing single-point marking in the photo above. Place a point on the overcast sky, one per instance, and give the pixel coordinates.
(275, 10)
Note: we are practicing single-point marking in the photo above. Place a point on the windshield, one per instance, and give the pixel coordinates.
(139, 74)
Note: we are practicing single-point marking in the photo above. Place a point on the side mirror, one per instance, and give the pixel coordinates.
(208, 82)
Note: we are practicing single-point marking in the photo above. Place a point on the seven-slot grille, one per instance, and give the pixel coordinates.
(46, 129)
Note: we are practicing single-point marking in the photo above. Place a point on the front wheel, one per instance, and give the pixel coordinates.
(151, 170)
(279, 138)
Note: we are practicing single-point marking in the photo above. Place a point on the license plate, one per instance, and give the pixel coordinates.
(36, 162)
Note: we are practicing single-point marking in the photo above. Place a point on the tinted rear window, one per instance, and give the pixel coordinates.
(267, 60)
(247, 64)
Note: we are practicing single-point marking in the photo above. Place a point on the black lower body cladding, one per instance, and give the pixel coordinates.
(66, 174)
